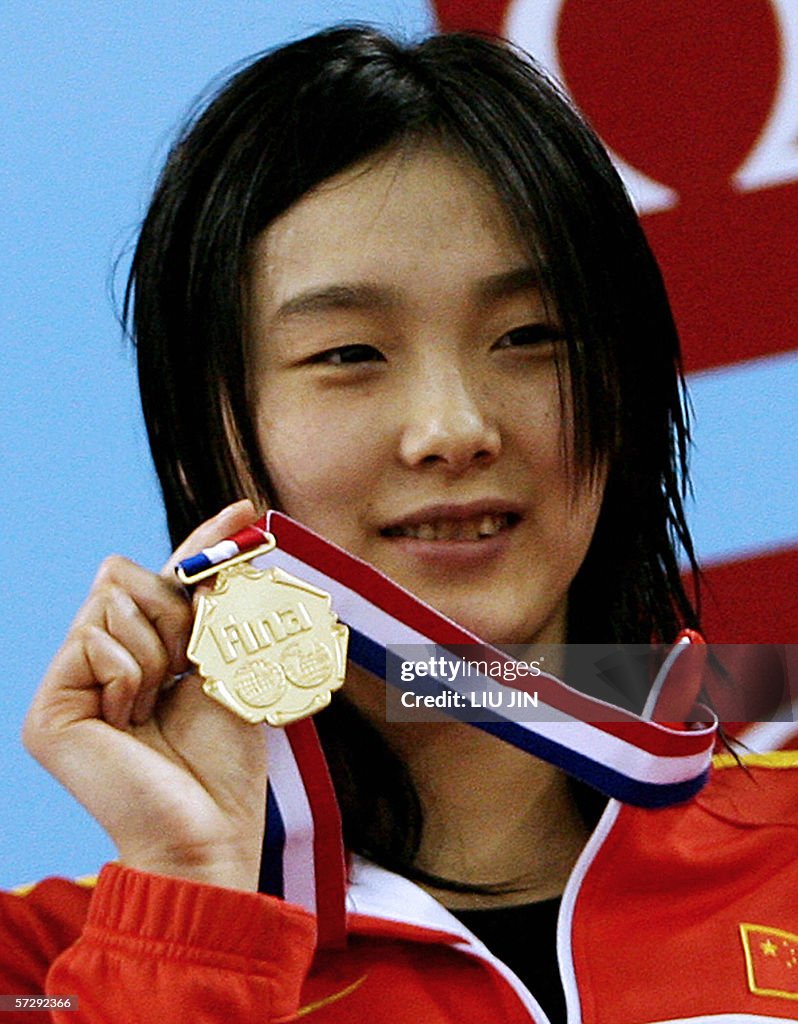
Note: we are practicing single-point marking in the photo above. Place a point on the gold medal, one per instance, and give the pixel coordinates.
(267, 645)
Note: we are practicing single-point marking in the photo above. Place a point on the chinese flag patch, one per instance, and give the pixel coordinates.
(771, 960)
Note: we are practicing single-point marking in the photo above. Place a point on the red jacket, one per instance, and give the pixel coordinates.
(683, 914)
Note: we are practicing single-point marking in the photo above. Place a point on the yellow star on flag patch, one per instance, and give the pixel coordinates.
(771, 960)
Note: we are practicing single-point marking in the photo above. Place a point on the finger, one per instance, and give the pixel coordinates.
(125, 599)
(123, 620)
(147, 699)
(74, 688)
(126, 623)
(118, 674)
(233, 517)
(68, 694)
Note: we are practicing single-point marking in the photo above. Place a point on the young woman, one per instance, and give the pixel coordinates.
(399, 294)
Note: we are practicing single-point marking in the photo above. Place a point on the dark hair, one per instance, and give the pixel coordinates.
(307, 111)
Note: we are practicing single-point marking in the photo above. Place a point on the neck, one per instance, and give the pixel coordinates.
(495, 819)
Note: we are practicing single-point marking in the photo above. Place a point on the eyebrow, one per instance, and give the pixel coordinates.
(508, 283)
(337, 296)
(367, 296)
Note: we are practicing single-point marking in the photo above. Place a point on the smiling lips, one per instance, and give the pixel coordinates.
(472, 528)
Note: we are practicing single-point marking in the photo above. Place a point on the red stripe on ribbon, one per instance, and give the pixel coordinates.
(249, 537)
(373, 586)
(328, 851)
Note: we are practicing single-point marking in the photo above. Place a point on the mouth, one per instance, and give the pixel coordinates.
(444, 528)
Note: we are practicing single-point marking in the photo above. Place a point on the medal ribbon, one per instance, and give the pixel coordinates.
(626, 756)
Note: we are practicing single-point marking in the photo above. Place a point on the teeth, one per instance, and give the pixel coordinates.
(453, 529)
(490, 525)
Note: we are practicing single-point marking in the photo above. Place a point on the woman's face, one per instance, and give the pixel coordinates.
(405, 387)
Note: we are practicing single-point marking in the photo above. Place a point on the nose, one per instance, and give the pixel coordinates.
(447, 423)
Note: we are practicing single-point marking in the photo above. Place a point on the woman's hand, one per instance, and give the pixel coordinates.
(177, 781)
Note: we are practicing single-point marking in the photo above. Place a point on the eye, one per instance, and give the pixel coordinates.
(530, 335)
(345, 355)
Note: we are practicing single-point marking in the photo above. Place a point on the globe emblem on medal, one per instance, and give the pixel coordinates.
(260, 683)
(308, 664)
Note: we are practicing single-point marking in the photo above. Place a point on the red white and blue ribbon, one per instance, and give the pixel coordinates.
(303, 859)
(626, 756)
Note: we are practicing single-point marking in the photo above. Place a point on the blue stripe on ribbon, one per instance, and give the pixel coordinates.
(367, 653)
(197, 563)
(373, 657)
(601, 777)
(271, 879)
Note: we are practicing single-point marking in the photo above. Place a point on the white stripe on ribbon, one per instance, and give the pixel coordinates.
(299, 881)
(585, 737)
(221, 552)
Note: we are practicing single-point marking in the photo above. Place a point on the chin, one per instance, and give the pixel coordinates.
(494, 631)
(503, 630)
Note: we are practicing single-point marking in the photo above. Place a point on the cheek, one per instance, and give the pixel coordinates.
(565, 508)
(314, 464)
(533, 428)
(574, 522)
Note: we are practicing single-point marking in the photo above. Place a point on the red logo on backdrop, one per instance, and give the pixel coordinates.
(472, 15)
(694, 99)
(698, 102)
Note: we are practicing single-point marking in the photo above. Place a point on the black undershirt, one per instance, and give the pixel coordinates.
(524, 938)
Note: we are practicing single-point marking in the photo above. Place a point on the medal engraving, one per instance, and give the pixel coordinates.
(268, 645)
